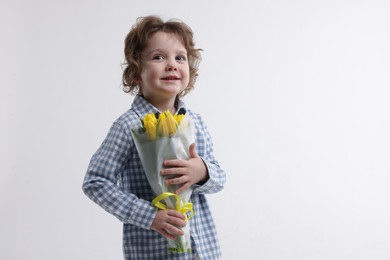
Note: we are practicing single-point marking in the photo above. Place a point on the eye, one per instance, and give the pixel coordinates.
(158, 57)
(181, 58)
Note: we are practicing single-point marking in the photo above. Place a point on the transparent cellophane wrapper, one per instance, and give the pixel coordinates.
(152, 154)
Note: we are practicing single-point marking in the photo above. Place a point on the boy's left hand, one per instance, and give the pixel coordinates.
(188, 172)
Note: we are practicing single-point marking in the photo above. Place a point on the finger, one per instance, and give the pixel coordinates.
(171, 223)
(173, 231)
(193, 153)
(183, 188)
(175, 213)
(167, 234)
(173, 171)
(175, 163)
(177, 222)
(177, 180)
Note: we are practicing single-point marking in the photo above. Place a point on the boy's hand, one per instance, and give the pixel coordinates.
(167, 221)
(188, 172)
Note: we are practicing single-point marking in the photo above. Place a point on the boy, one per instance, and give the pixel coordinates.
(161, 66)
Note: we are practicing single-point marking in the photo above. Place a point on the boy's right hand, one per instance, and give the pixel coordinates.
(167, 221)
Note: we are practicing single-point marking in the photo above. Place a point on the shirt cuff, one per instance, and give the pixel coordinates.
(143, 214)
(206, 186)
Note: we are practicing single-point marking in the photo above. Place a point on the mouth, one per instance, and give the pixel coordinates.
(172, 77)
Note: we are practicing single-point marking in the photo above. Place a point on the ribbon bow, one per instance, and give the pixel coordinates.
(187, 207)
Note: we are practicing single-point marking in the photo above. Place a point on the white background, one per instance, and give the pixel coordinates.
(295, 94)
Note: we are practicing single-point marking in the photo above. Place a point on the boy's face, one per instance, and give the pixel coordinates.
(165, 68)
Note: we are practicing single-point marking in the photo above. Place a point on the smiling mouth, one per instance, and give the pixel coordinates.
(171, 78)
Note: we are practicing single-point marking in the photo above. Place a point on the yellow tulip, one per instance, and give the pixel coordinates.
(160, 125)
(178, 118)
(170, 123)
(150, 124)
(165, 125)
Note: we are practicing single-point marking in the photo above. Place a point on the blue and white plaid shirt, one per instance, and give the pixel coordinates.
(116, 181)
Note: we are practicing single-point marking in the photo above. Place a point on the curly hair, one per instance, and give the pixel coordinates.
(136, 41)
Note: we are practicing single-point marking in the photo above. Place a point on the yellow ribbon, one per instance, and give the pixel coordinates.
(187, 207)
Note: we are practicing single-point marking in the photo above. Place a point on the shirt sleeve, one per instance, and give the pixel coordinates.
(205, 149)
(101, 181)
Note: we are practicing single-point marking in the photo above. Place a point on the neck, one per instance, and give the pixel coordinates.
(164, 105)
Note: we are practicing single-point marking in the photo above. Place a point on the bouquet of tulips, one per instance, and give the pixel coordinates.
(159, 138)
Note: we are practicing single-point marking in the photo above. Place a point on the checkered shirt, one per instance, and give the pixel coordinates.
(116, 181)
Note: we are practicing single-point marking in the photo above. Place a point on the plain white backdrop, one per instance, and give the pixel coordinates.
(295, 94)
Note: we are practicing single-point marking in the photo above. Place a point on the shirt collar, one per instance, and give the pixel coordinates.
(142, 107)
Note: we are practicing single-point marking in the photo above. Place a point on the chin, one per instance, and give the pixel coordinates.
(173, 91)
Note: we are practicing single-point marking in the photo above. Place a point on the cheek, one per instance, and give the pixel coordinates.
(148, 75)
(186, 72)
(154, 73)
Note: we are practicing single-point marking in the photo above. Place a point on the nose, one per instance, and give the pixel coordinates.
(171, 65)
(171, 68)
